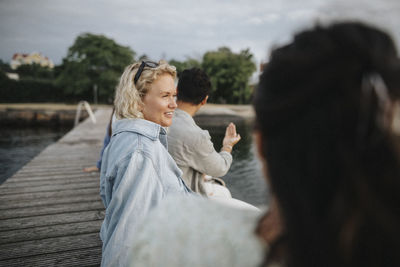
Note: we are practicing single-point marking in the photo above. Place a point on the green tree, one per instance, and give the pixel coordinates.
(35, 71)
(93, 61)
(5, 67)
(3, 76)
(229, 73)
(187, 64)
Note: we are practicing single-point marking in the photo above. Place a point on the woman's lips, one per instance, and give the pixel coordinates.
(169, 114)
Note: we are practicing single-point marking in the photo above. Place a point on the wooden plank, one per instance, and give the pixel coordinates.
(52, 163)
(49, 245)
(48, 188)
(50, 209)
(46, 167)
(47, 220)
(36, 233)
(43, 170)
(69, 153)
(51, 174)
(37, 182)
(16, 204)
(49, 163)
(77, 257)
(39, 195)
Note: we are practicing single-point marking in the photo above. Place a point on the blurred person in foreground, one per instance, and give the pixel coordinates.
(137, 172)
(324, 115)
(191, 147)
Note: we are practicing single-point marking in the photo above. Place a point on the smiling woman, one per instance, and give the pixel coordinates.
(131, 182)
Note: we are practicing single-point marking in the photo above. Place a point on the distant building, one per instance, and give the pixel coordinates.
(19, 59)
(12, 76)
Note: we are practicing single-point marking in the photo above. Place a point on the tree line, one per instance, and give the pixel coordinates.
(94, 63)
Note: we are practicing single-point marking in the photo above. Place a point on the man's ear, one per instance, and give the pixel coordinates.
(204, 101)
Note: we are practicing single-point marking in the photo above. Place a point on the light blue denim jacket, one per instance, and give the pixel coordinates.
(137, 172)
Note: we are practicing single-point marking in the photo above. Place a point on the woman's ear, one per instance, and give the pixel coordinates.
(140, 104)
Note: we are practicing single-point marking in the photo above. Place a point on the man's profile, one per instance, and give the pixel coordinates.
(191, 146)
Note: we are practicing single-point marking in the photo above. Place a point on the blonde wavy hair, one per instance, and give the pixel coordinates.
(128, 96)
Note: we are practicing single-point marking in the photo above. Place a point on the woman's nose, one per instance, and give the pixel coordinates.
(172, 103)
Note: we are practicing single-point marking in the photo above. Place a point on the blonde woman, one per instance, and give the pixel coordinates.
(137, 172)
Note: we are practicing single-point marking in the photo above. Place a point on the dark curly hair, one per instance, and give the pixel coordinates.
(193, 86)
(332, 165)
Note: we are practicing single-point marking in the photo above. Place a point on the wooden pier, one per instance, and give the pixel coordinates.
(50, 210)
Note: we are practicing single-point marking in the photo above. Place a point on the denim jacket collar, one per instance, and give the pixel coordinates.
(143, 127)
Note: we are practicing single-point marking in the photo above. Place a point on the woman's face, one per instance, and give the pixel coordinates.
(159, 102)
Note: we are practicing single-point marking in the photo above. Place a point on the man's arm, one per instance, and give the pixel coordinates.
(208, 161)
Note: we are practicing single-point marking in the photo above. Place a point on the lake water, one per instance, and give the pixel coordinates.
(19, 145)
(244, 179)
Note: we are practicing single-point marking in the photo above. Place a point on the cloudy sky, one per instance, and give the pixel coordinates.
(176, 28)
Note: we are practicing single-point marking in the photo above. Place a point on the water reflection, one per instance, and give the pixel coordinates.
(244, 179)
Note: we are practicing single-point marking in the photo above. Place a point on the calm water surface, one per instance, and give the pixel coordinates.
(19, 145)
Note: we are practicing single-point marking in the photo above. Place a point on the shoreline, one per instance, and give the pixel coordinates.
(37, 114)
(40, 114)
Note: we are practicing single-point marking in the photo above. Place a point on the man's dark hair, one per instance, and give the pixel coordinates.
(193, 86)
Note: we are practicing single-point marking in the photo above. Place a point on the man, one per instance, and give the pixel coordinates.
(191, 146)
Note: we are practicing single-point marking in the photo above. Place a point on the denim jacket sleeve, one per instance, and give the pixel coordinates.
(128, 193)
